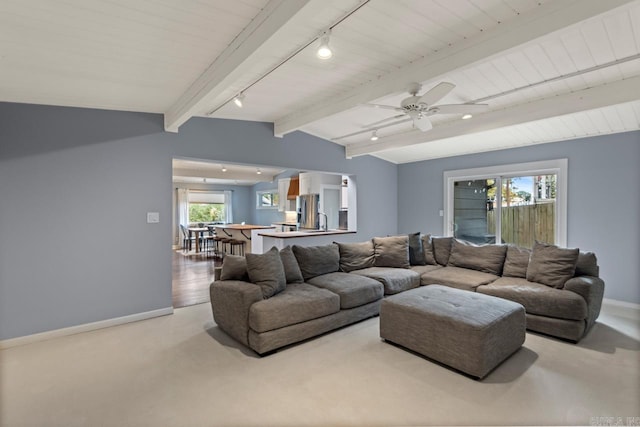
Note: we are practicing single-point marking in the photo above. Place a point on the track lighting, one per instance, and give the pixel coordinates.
(467, 116)
(324, 51)
(374, 136)
(238, 100)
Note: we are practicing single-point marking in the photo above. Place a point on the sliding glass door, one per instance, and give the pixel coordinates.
(517, 208)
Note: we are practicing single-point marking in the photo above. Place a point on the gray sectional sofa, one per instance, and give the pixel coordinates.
(282, 297)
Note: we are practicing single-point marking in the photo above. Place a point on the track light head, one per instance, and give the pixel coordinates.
(238, 100)
(324, 51)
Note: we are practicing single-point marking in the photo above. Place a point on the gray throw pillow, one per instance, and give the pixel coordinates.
(427, 247)
(356, 256)
(516, 262)
(266, 270)
(291, 268)
(416, 252)
(551, 265)
(442, 249)
(391, 251)
(317, 260)
(587, 265)
(485, 258)
(234, 267)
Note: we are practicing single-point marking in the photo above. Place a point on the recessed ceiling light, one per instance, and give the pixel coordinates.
(374, 136)
(467, 116)
(224, 169)
(259, 172)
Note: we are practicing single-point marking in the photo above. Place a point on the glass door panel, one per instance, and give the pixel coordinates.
(473, 207)
(528, 209)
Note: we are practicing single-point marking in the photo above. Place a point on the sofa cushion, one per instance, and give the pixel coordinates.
(392, 251)
(299, 302)
(354, 290)
(354, 256)
(587, 265)
(516, 261)
(266, 270)
(394, 280)
(291, 268)
(538, 299)
(416, 252)
(421, 269)
(456, 277)
(317, 260)
(427, 247)
(441, 249)
(234, 267)
(486, 258)
(551, 265)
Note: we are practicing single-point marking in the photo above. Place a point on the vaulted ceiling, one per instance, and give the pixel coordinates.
(548, 70)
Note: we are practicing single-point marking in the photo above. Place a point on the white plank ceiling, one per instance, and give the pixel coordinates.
(549, 70)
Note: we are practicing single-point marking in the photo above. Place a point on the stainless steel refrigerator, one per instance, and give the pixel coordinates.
(308, 218)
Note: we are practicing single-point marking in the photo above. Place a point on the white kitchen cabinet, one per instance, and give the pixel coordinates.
(283, 189)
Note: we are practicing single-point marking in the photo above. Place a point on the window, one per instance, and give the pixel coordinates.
(267, 199)
(516, 204)
(206, 206)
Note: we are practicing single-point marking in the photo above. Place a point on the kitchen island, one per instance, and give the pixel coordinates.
(244, 232)
(302, 238)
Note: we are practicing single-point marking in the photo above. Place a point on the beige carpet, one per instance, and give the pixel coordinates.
(181, 370)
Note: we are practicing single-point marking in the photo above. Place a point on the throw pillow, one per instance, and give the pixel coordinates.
(391, 251)
(517, 261)
(416, 252)
(485, 258)
(427, 246)
(317, 260)
(551, 265)
(234, 267)
(356, 256)
(442, 249)
(291, 268)
(266, 270)
(587, 265)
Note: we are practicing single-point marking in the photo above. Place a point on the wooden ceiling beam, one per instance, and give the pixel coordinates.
(234, 61)
(546, 19)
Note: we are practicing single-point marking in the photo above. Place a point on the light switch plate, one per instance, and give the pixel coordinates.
(441, 212)
(153, 217)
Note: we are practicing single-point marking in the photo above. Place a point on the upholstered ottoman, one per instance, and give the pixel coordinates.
(470, 332)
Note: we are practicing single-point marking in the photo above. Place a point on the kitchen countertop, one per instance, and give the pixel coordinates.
(291, 234)
(243, 227)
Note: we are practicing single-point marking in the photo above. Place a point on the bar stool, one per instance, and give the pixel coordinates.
(237, 247)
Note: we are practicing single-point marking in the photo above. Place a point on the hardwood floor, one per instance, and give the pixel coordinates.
(192, 275)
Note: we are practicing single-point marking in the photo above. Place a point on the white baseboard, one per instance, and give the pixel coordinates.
(72, 330)
(621, 308)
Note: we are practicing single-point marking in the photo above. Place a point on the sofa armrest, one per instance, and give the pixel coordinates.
(592, 290)
(230, 301)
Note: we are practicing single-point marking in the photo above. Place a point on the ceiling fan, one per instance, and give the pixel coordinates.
(419, 108)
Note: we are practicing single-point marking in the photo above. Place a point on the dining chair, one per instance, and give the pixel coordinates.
(186, 240)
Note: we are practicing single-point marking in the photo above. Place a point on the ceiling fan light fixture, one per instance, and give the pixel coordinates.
(374, 136)
(324, 51)
(238, 100)
(467, 116)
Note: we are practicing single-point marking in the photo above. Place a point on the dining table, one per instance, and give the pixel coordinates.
(199, 233)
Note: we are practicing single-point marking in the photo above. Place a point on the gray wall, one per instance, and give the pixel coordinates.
(75, 186)
(603, 203)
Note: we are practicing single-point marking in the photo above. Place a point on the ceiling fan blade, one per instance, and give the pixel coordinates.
(436, 93)
(459, 108)
(387, 107)
(422, 123)
(379, 122)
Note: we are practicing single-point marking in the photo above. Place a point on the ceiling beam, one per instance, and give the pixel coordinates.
(587, 99)
(233, 62)
(546, 19)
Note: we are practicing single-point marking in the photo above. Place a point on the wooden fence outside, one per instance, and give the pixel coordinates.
(523, 225)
